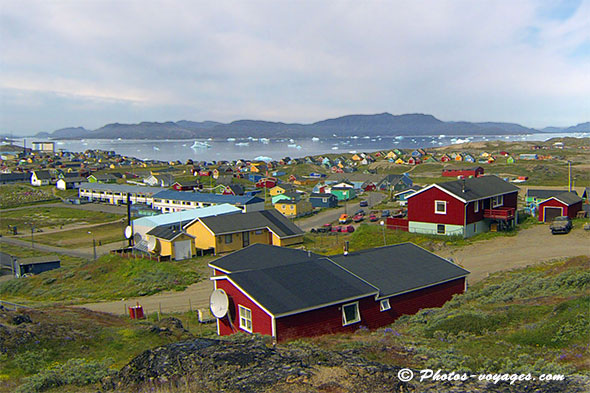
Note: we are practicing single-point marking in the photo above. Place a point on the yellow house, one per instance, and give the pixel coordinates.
(177, 245)
(399, 161)
(231, 232)
(278, 190)
(391, 155)
(293, 208)
(458, 157)
(356, 157)
(258, 168)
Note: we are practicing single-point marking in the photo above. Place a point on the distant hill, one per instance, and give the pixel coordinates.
(370, 125)
(582, 127)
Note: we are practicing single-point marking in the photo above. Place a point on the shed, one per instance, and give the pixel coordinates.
(564, 204)
(35, 265)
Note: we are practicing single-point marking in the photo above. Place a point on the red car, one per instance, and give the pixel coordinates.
(373, 217)
(337, 228)
(358, 218)
(348, 229)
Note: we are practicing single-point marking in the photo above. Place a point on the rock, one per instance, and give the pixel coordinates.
(21, 318)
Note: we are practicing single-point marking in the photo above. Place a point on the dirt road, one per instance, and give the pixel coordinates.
(332, 215)
(530, 246)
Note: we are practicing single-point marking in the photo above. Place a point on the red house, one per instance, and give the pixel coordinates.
(233, 189)
(184, 186)
(266, 182)
(463, 172)
(463, 207)
(289, 293)
(564, 204)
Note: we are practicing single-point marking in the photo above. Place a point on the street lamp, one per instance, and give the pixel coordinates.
(93, 244)
(32, 231)
(383, 228)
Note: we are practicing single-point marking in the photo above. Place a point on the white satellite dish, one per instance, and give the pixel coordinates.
(219, 303)
(128, 232)
(151, 243)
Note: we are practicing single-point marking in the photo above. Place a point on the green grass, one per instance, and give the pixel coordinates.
(110, 277)
(53, 217)
(15, 195)
(25, 252)
(80, 238)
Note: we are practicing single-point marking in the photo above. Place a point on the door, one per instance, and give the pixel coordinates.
(245, 239)
(182, 250)
(550, 213)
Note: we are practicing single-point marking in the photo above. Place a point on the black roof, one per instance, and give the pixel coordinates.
(296, 287)
(569, 198)
(38, 260)
(43, 175)
(399, 268)
(15, 176)
(271, 219)
(478, 187)
(167, 232)
(586, 193)
(543, 194)
(261, 256)
(318, 195)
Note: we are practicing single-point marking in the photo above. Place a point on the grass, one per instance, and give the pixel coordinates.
(110, 277)
(25, 252)
(79, 238)
(69, 334)
(53, 217)
(15, 195)
(533, 320)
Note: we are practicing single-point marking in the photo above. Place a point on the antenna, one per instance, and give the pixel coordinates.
(151, 243)
(219, 303)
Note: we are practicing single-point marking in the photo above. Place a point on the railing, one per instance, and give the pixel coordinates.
(501, 213)
(11, 306)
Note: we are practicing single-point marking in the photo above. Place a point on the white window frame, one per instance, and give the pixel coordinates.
(476, 207)
(384, 305)
(498, 201)
(358, 314)
(436, 207)
(245, 316)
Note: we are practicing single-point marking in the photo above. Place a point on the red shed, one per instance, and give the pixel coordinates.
(463, 172)
(564, 204)
(287, 293)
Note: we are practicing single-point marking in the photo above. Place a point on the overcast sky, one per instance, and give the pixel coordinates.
(89, 63)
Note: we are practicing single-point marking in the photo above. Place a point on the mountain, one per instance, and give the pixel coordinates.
(370, 125)
(582, 127)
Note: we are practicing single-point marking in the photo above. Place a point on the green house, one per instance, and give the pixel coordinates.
(510, 160)
(343, 193)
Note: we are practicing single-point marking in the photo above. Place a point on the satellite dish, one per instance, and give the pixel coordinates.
(219, 303)
(128, 232)
(151, 243)
(136, 238)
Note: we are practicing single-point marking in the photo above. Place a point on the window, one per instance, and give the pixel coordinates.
(476, 207)
(228, 239)
(440, 229)
(440, 207)
(498, 200)
(258, 232)
(245, 318)
(292, 207)
(384, 305)
(350, 314)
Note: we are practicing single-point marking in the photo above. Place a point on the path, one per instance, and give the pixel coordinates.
(530, 246)
(331, 215)
(97, 207)
(44, 248)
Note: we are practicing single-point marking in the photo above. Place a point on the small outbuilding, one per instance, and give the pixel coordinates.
(564, 204)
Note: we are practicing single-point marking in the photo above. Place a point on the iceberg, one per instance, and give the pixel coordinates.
(200, 145)
(265, 140)
(263, 158)
(231, 139)
(334, 147)
(315, 139)
(242, 143)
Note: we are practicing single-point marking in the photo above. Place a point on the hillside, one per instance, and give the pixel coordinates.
(370, 125)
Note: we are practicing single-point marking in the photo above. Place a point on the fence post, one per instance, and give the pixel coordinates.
(190, 306)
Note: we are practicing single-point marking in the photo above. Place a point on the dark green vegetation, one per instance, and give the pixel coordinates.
(110, 277)
(529, 320)
(70, 348)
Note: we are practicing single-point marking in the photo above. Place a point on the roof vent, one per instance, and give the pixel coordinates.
(463, 186)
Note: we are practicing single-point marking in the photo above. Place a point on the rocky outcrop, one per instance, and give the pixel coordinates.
(253, 364)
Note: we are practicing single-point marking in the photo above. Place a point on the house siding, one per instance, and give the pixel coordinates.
(261, 321)
(570, 211)
(421, 208)
(328, 320)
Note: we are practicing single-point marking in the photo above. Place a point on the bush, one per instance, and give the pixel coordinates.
(75, 371)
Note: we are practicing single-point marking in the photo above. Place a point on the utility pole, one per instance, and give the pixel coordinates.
(569, 165)
(383, 228)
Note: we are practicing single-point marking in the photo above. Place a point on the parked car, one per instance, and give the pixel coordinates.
(337, 228)
(323, 229)
(363, 204)
(348, 229)
(373, 217)
(385, 213)
(561, 224)
(360, 211)
(343, 218)
(358, 218)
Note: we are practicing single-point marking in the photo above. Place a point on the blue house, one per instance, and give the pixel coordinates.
(316, 175)
(254, 177)
(323, 200)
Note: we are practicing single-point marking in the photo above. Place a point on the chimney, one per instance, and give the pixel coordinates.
(346, 248)
(463, 186)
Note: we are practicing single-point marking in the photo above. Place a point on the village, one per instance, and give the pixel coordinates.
(287, 249)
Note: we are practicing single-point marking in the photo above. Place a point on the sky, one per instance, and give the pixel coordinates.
(89, 63)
